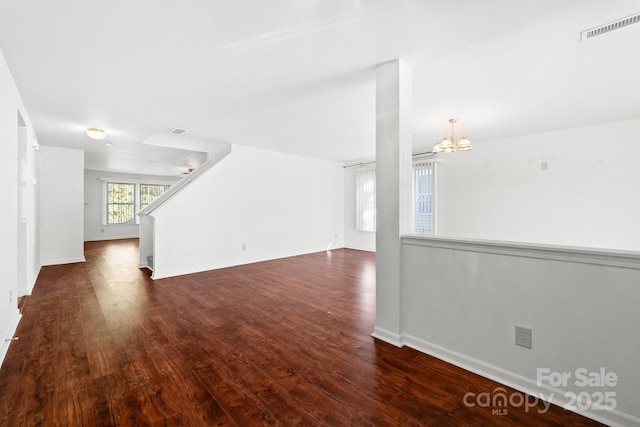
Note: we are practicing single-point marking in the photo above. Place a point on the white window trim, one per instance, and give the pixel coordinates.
(416, 158)
(137, 182)
(434, 215)
(359, 223)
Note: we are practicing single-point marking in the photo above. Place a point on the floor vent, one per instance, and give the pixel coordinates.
(177, 131)
(587, 34)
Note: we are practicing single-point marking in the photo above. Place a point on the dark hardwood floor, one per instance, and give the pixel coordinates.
(283, 342)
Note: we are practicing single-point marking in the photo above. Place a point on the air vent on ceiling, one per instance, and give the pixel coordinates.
(177, 131)
(587, 34)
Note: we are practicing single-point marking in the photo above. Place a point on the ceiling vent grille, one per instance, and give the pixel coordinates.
(587, 34)
(177, 131)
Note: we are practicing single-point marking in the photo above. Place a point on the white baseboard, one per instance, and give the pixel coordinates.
(360, 248)
(6, 339)
(101, 238)
(510, 379)
(145, 265)
(63, 261)
(387, 336)
(24, 292)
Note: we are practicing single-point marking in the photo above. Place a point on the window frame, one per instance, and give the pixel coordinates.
(416, 160)
(434, 161)
(142, 205)
(137, 199)
(361, 223)
(108, 203)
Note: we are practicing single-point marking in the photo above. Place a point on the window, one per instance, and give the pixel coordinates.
(423, 198)
(366, 200)
(149, 192)
(125, 199)
(121, 203)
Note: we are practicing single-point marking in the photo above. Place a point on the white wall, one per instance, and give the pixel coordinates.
(274, 204)
(461, 301)
(586, 197)
(9, 102)
(33, 214)
(62, 205)
(498, 191)
(94, 204)
(354, 239)
(10, 106)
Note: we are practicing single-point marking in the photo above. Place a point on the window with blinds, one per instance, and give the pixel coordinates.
(423, 197)
(121, 203)
(366, 200)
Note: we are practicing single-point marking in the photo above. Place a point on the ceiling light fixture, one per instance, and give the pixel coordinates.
(450, 144)
(95, 133)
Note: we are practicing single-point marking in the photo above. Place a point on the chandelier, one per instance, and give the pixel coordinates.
(450, 144)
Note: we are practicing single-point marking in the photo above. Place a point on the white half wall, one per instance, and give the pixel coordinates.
(253, 206)
(586, 196)
(354, 239)
(461, 300)
(95, 204)
(61, 205)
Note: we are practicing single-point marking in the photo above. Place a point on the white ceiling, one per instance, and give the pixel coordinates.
(298, 75)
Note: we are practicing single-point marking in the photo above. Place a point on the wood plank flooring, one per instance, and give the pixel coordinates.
(283, 342)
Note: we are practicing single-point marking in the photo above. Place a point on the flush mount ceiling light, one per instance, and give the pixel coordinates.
(95, 133)
(450, 144)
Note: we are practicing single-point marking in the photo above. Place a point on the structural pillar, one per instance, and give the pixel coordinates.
(393, 193)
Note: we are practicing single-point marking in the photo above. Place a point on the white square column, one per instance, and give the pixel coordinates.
(393, 192)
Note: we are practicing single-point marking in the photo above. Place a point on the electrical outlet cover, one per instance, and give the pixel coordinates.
(523, 336)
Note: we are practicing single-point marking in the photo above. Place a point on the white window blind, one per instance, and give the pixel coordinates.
(423, 197)
(366, 199)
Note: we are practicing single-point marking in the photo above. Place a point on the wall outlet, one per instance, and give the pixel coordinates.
(10, 296)
(244, 247)
(523, 336)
